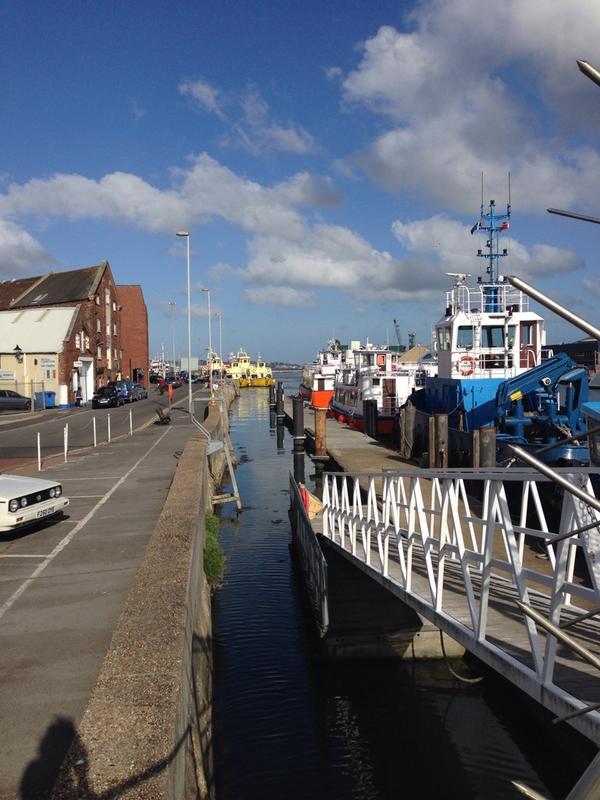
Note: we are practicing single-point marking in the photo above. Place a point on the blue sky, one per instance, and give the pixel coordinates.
(326, 157)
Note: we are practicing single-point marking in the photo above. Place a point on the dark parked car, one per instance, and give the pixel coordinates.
(125, 389)
(140, 391)
(107, 397)
(13, 400)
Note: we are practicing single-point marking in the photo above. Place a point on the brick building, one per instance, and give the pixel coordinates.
(93, 353)
(134, 333)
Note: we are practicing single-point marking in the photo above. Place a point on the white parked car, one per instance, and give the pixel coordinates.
(24, 500)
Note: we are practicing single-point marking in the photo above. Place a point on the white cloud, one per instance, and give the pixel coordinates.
(280, 296)
(20, 253)
(448, 243)
(333, 73)
(205, 189)
(256, 132)
(465, 92)
(204, 95)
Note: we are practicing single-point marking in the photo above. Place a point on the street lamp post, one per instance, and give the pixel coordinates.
(210, 381)
(189, 317)
(172, 304)
(219, 316)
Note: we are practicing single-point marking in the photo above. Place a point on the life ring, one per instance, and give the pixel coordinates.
(466, 366)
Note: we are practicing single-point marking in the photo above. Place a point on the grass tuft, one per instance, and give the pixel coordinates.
(214, 558)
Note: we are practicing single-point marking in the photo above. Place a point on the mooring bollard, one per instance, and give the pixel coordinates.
(299, 466)
(108, 427)
(298, 424)
(320, 433)
(441, 440)
(280, 438)
(39, 451)
(279, 409)
(272, 400)
(94, 427)
(66, 440)
(487, 447)
(130, 423)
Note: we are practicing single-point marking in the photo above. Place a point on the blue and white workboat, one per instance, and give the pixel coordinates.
(491, 365)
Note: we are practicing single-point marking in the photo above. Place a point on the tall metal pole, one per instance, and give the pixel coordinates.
(219, 316)
(189, 317)
(172, 303)
(210, 380)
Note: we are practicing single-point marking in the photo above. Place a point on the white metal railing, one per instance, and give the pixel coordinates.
(461, 562)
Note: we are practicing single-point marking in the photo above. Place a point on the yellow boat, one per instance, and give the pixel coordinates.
(239, 368)
(261, 374)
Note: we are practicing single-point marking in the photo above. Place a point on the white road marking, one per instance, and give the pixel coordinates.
(23, 555)
(90, 477)
(82, 496)
(68, 538)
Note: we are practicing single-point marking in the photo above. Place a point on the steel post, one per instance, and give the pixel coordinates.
(298, 423)
(487, 447)
(441, 440)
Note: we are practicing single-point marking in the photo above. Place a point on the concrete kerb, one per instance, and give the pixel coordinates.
(147, 728)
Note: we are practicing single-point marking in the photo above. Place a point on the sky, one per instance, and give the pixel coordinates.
(326, 158)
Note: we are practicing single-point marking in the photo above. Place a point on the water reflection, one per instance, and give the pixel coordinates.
(361, 730)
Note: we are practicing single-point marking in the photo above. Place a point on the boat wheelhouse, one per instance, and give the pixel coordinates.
(260, 374)
(382, 375)
(487, 335)
(319, 377)
(239, 367)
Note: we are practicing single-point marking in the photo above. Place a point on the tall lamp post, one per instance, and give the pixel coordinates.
(210, 381)
(219, 316)
(189, 316)
(172, 304)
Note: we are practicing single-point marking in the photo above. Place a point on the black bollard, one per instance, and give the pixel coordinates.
(272, 400)
(280, 438)
(299, 467)
(370, 418)
(298, 424)
(272, 420)
(279, 410)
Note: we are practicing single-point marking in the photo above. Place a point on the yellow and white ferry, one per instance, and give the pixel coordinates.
(261, 374)
(238, 368)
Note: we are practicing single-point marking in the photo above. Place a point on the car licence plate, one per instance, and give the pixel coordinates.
(45, 512)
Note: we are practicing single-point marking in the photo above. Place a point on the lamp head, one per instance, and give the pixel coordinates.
(182, 233)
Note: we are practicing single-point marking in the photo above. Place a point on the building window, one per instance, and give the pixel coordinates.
(78, 341)
(115, 329)
(98, 325)
(114, 306)
(115, 353)
(97, 299)
(99, 351)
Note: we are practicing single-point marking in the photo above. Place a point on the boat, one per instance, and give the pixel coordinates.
(382, 375)
(238, 368)
(318, 377)
(260, 375)
(491, 365)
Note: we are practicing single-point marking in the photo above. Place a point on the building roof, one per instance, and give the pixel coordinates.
(11, 289)
(414, 355)
(36, 330)
(62, 287)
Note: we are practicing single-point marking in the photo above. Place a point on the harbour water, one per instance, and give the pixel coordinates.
(288, 724)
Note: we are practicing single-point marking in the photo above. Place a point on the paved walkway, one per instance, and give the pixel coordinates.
(62, 586)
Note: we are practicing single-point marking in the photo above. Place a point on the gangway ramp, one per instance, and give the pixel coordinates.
(452, 544)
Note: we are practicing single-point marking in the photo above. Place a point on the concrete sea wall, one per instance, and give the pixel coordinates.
(146, 731)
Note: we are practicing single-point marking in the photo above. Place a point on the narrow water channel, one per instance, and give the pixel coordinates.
(289, 725)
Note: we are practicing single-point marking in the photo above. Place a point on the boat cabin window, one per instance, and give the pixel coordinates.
(464, 337)
(492, 336)
(527, 334)
(443, 338)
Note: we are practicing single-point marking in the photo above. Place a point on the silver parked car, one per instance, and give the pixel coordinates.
(10, 400)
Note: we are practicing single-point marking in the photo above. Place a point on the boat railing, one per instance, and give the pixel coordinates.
(486, 298)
